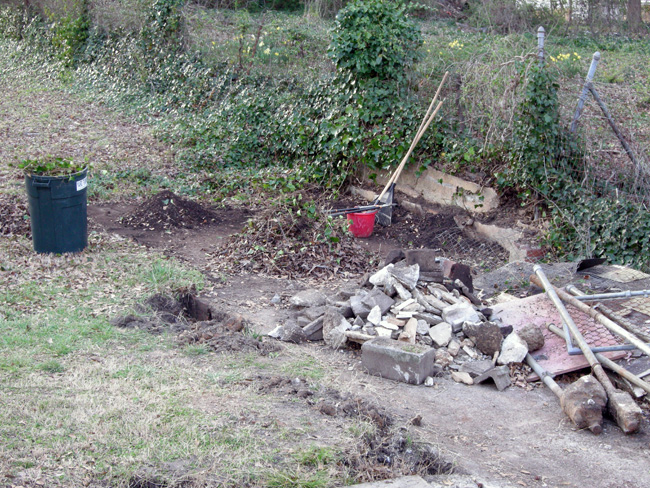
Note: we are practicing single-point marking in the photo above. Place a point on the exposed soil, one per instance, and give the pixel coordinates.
(279, 243)
(282, 245)
(187, 243)
(223, 332)
(166, 211)
(383, 454)
(441, 232)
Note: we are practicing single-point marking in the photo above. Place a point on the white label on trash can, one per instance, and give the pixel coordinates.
(81, 184)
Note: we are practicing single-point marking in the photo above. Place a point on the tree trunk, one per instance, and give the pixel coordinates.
(634, 20)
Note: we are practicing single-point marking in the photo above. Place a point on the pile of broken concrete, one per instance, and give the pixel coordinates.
(416, 318)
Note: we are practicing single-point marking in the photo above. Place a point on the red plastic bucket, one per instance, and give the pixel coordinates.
(362, 223)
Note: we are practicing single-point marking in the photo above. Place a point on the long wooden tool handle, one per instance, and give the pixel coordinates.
(399, 169)
(428, 117)
(432, 104)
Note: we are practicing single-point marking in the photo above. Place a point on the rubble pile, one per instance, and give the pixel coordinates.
(417, 317)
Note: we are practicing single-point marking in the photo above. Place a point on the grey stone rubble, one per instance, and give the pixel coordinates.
(412, 325)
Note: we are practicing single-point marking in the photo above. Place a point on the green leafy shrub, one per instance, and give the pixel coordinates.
(375, 39)
(70, 31)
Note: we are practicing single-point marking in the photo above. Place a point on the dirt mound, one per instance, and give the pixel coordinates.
(328, 401)
(283, 244)
(14, 216)
(220, 336)
(167, 210)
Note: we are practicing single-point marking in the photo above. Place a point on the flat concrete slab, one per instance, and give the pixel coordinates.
(404, 482)
(399, 361)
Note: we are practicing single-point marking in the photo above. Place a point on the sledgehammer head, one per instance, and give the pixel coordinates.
(583, 402)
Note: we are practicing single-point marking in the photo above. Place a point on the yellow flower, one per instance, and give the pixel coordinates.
(267, 50)
(276, 54)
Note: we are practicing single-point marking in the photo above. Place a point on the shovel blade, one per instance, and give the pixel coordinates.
(385, 214)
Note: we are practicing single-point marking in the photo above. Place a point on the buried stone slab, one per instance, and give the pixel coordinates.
(400, 361)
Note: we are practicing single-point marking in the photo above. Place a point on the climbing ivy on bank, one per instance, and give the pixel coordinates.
(548, 161)
(375, 39)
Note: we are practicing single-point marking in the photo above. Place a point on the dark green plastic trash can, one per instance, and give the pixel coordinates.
(58, 212)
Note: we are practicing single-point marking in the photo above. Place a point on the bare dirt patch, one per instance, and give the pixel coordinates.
(190, 243)
(222, 332)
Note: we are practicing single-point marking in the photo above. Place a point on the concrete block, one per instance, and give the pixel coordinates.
(438, 187)
(400, 361)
